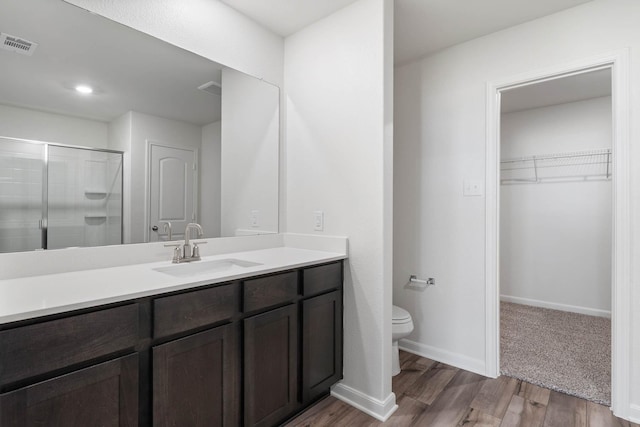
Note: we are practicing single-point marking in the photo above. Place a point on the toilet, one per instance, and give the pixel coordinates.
(401, 326)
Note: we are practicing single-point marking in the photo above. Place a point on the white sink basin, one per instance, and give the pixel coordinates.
(200, 267)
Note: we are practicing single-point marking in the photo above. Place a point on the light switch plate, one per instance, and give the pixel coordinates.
(473, 187)
(253, 218)
(318, 220)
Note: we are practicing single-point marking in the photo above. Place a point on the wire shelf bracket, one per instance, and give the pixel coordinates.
(593, 165)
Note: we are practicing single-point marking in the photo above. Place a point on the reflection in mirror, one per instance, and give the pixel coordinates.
(56, 197)
(200, 140)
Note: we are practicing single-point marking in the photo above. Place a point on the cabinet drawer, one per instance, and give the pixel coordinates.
(183, 312)
(322, 278)
(43, 347)
(102, 395)
(270, 291)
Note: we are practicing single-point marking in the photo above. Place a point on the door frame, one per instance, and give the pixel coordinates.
(618, 62)
(147, 185)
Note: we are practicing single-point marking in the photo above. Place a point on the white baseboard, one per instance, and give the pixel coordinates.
(378, 409)
(634, 414)
(454, 359)
(557, 306)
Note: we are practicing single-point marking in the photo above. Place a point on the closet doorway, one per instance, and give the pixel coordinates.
(617, 63)
(556, 233)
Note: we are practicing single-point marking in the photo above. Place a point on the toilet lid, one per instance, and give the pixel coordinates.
(400, 315)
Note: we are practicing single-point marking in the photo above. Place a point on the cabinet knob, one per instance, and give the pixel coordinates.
(154, 228)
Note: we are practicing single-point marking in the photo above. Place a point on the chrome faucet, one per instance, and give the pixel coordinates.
(167, 227)
(188, 253)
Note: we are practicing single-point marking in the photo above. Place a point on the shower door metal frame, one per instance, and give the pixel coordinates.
(44, 221)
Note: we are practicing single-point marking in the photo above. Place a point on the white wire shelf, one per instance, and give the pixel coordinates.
(593, 165)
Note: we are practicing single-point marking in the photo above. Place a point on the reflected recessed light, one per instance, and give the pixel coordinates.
(84, 89)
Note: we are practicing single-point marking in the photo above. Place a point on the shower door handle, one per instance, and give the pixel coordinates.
(44, 237)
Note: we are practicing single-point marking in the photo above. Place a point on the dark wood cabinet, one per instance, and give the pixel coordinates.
(323, 278)
(102, 395)
(28, 351)
(251, 352)
(269, 291)
(321, 344)
(182, 312)
(270, 366)
(196, 379)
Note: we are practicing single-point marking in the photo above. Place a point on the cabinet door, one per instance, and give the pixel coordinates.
(196, 379)
(270, 366)
(321, 344)
(101, 395)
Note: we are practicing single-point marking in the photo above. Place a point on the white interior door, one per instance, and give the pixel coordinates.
(172, 182)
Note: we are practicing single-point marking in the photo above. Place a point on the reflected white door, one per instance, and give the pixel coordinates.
(172, 180)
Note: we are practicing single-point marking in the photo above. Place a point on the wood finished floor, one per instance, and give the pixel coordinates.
(429, 393)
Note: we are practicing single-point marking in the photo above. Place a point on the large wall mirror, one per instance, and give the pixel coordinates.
(107, 134)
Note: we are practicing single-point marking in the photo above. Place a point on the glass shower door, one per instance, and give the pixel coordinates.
(84, 197)
(21, 196)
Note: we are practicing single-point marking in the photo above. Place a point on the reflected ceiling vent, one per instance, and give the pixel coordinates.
(211, 87)
(16, 44)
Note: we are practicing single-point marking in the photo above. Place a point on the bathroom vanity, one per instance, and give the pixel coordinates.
(251, 348)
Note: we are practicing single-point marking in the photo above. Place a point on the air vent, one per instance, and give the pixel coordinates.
(16, 44)
(211, 87)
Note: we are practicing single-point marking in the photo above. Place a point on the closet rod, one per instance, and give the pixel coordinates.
(582, 165)
(536, 166)
(558, 156)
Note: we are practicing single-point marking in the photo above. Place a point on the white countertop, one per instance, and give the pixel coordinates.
(30, 297)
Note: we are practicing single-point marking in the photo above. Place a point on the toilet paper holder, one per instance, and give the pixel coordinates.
(423, 283)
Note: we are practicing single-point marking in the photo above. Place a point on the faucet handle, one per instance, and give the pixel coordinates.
(177, 253)
(196, 250)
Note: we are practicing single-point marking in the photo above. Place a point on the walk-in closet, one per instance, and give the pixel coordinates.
(556, 234)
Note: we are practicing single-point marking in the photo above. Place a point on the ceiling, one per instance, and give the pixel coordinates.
(128, 69)
(422, 27)
(579, 87)
(285, 17)
(133, 71)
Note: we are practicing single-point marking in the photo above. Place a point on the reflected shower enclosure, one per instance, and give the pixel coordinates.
(54, 196)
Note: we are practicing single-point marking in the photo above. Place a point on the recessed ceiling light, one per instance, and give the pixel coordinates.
(84, 89)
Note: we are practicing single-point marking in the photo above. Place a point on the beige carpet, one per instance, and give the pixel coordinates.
(562, 351)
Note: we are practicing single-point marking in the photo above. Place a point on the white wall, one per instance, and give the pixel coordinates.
(206, 27)
(249, 154)
(573, 126)
(209, 193)
(440, 140)
(336, 106)
(555, 238)
(25, 123)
